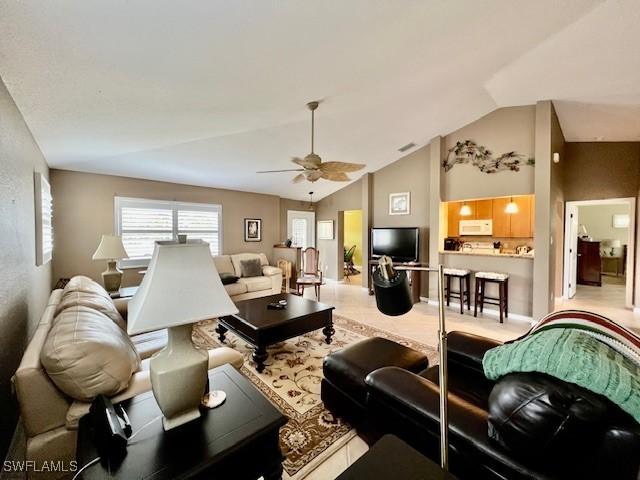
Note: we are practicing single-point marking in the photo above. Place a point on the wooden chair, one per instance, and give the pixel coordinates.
(310, 274)
(285, 266)
(349, 268)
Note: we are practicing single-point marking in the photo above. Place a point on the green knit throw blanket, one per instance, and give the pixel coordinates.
(572, 356)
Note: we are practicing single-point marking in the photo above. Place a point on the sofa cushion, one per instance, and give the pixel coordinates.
(255, 284)
(85, 354)
(237, 288)
(80, 283)
(91, 300)
(148, 343)
(250, 268)
(223, 264)
(237, 258)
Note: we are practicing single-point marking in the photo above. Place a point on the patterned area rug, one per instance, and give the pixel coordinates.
(291, 380)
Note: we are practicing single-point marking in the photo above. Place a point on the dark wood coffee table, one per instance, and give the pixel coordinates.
(237, 440)
(261, 327)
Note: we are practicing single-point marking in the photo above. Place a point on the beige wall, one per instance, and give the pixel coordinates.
(24, 287)
(408, 174)
(84, 210)
(503, 130)
(598, 219)
(331, 208)
(549, 226)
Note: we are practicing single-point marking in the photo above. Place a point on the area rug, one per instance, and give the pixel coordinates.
(291, 380)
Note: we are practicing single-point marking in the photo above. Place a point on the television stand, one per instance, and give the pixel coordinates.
(414, 276)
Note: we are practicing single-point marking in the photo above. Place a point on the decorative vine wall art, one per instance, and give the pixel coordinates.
(482, 158)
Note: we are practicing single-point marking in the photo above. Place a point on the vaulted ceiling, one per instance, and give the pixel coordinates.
(206, 92)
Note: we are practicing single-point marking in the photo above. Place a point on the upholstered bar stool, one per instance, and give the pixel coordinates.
(502, 280)
(464, 286)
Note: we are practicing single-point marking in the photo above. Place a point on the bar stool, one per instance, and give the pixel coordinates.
(502, 280)
(464, 289)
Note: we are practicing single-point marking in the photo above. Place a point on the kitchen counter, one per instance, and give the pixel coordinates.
(483, 254)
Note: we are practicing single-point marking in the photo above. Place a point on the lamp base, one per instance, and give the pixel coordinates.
(213, 399)
(112, 277)
(179, 377)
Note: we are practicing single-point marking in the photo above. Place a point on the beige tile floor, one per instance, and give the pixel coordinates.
(421, 324)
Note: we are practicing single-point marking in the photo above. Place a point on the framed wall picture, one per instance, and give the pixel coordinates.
(621, 220)
(325, 230)
(400, 203)
(252, 230)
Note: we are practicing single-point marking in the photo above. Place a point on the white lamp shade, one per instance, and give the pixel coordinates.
(465, 210)
(181, 286)
(110, 248)
(616, 244)
(512, 207)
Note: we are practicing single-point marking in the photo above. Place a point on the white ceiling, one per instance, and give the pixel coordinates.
(206, 92)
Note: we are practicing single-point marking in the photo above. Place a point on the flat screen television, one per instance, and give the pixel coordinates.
(401, 244)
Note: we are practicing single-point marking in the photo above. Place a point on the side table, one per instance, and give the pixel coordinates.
(390, 457)
(239, 439)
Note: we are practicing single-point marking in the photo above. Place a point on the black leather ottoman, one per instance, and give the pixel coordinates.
(344, 391)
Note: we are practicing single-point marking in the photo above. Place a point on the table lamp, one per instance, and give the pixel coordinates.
(614, 244)
(111, 249)
(393, 298)
(181, 287)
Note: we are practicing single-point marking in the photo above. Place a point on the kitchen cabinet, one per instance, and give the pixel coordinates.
(483, 209)
(514, 225)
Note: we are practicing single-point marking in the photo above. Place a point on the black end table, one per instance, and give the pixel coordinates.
(389, 458)
(261, 327)
(237, 440)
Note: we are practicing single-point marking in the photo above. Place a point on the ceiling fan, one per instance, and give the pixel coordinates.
(313, 168)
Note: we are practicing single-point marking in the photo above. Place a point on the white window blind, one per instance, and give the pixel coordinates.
(44, 228)
(299, 232)
(142, 222)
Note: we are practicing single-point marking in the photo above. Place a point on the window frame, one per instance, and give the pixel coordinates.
(174, 206)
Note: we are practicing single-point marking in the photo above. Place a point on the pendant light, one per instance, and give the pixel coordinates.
(465, 211)
(310, 201)
(512, 207)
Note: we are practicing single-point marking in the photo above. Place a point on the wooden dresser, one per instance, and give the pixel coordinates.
(589, 263)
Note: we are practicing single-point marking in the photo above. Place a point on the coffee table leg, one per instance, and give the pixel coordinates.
(259, 356)
(221, 332)
(328, 332)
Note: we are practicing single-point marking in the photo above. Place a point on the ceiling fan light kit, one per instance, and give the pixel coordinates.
(313, 168)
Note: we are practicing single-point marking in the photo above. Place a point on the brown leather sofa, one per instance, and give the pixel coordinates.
(525, 426)
(50, 417)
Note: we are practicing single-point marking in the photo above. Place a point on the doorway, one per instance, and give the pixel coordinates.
(352, 247)
(599, 256)
(301, 228)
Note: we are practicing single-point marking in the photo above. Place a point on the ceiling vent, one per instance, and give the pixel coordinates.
(406, 147)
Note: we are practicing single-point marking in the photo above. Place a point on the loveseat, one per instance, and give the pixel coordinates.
(525, 426)
(267, 282)
(52, 406)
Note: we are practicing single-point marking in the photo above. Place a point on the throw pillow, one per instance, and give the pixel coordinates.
(86, 354)
(228, 278)
(251, 268)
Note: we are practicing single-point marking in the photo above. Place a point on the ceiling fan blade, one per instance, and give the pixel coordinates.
(287, 170)
(335, 167)
(305, 163)
(298, 178)
(335, 176)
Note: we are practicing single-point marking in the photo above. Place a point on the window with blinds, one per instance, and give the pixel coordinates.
(142, 222)
(44, 222)
(299, 232)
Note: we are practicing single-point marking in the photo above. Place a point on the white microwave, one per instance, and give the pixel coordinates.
(476, 227)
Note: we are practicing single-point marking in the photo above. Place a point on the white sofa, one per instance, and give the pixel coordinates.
(269, 283)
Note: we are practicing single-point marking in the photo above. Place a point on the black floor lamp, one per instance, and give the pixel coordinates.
(393, 297)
